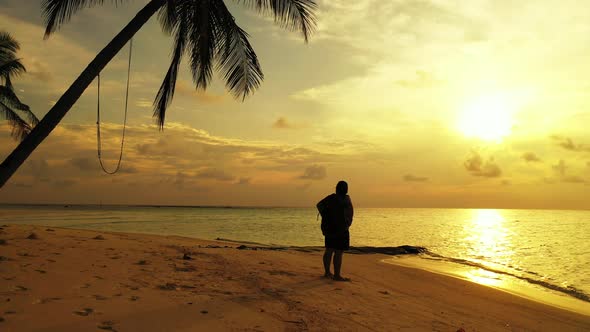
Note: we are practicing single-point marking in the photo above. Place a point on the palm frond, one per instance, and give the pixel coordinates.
(9, 64)
(166, 91)
(10, 99)
(8, 45)
(235, 56)
(290, 14)
(169, 16)
(58, 12)
(202, 40)
(11, 68)
(7, 82)
(20, 128)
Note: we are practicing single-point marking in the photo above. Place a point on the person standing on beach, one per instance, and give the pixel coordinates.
(337, 212)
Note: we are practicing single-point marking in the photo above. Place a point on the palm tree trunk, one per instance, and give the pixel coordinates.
(69, 98)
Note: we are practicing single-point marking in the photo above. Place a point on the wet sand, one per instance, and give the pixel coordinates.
(56, 279)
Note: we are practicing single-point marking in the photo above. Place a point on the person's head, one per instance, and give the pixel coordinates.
(342, 188)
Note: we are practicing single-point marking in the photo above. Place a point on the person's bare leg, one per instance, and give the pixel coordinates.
(327, 260)
(337, 264)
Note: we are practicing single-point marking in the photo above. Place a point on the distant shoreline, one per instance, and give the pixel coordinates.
(67, 205)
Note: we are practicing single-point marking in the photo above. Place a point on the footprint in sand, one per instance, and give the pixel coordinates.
(107, 325)
(33, 236)
(134, 298)
(184, 268)
(169, 286)
(84, 312)
(46, 300)
(99, 297)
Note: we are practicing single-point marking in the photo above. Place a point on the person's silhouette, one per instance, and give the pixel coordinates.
(337, 212)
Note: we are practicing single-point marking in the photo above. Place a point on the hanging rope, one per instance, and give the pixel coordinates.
(98, 140)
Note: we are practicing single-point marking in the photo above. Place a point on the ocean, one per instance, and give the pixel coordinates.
(545, 248)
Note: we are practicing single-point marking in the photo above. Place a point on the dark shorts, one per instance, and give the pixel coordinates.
(338, 242)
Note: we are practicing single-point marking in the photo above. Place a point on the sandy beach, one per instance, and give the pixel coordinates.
(54, 279)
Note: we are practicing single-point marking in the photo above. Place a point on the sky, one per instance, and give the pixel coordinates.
(415, 103)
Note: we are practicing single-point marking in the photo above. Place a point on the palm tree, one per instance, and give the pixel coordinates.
(203, 30)
(10, 66)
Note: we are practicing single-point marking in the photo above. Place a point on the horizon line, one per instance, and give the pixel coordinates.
(223, 206)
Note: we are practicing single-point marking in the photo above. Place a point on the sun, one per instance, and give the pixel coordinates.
(488, 117)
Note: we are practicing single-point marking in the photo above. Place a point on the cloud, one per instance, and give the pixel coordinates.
(560, 168)
(573, 179)
(393, 23)
(568, 144)
(21, 185)
(39, 168)
(282, 123)
(125, 169)
(84, 164)
(144, 103)
(64, 183)
(185, 88)
(476, 166)
(304, 186)
(179, 157)
(423, 79)
(214, 174)
(530, 157)
(314, 172)
(413, 178)
(38, 69)
(244, 181)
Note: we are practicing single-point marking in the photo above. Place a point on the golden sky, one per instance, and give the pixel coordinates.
(416, 103)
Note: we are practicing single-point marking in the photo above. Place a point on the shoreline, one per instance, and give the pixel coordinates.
(499, 281)
(85, 279)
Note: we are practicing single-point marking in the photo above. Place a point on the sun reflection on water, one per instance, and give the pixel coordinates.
(488, 240)
(484, 277)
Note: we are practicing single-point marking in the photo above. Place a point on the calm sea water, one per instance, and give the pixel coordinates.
(547, 248)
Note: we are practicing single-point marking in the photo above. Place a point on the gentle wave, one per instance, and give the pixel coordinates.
(568, 290)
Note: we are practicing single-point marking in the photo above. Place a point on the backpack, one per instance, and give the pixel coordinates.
(332, 211)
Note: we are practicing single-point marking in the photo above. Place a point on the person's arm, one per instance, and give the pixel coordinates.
(349, 212)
